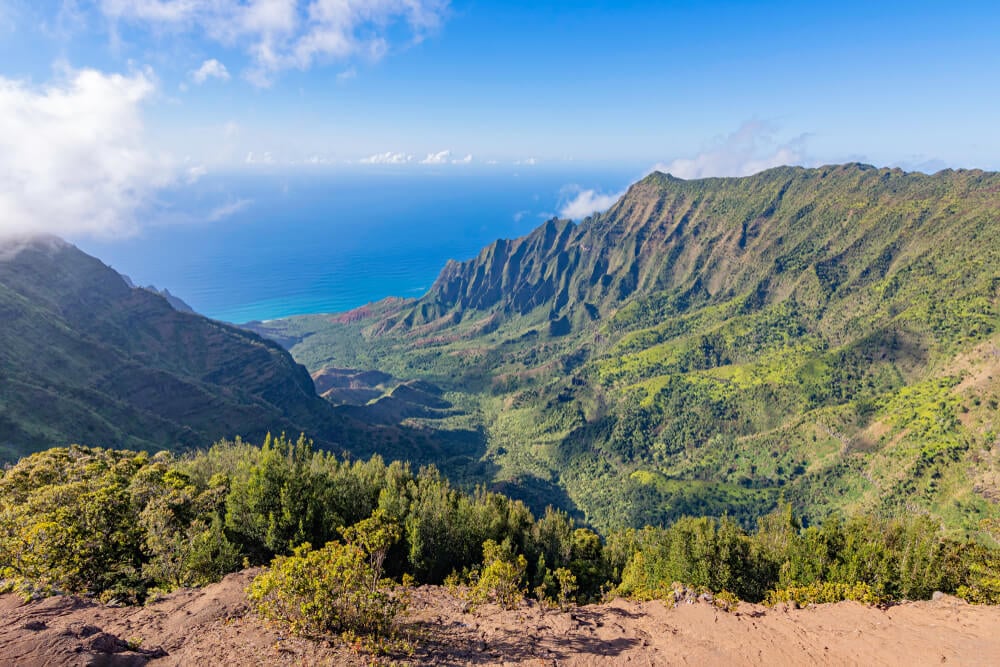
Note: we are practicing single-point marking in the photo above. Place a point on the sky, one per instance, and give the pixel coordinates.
(105, 104)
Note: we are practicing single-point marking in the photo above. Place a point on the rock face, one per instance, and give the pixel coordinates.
(815, 234)
(86, 358)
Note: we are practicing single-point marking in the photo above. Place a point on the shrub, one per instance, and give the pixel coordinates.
(318, 592)
(374, 536)
(567, 587)
(823, 592)
(726, 601)
(983, 576)
(500, 579)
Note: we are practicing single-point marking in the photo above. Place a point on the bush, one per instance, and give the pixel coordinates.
(567, 587)
(726, 601)
(500, 579)
(983, 577)
(829, 591)
(328, 591)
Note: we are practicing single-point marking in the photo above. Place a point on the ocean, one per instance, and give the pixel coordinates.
(258, 245)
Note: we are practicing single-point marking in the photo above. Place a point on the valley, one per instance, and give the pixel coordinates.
(827, 336)
(448, 332)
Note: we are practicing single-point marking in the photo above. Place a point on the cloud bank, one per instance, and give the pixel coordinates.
(286, 34)
(442, 157)
(439, 158)
(387, 158)
(586, 202)
(748, 150)
(73, 158)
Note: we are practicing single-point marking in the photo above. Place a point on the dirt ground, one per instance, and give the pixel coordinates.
(213, 626)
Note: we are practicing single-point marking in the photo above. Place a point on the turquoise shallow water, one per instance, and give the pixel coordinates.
(327, 241)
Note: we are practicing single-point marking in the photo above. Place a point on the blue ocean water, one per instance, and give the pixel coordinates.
(328, 240)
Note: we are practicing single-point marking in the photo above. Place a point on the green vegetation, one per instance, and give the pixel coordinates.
(984, 571)
(88, 359)
(828, 336)
(864, 558)
(119, 525)
(329, 590)
(502, 577)
(781, 388)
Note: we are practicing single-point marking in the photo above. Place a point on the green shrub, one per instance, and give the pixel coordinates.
(319, 592)
(824, 592)
(501, 577)
(567, 587)
(726, 601)
(983, 577)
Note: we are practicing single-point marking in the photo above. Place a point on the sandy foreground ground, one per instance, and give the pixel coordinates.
(213, 626)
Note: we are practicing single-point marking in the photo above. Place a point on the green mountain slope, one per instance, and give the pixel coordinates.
(824, 335)
(85, 358)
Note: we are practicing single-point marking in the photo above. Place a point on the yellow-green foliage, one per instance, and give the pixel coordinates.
(374, 536)
(119, 524)
(827, 591)
(863, 558)
(726, 601)
(501, 577)
(567, 587)
(94, 520)
(983, 586)
(329, 590)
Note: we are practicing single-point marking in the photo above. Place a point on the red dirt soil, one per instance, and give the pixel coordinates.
(213, 626)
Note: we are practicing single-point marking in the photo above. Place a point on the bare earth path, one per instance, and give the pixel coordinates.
(213, 626)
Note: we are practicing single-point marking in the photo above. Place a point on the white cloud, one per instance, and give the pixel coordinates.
(195, 173)
(264, 158)
(437, 158)
(284, 34)
(347, 74)
(226, 210)
(387, 158)
(748, 150)
(465, 160)
(530, 161)
(210, 69)
(160, 11)
(586, 202)
(73, 158)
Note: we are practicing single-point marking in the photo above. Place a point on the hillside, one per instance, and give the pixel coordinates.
(86, 358)
(825, 335)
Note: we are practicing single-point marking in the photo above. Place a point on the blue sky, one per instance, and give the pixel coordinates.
(121, 98)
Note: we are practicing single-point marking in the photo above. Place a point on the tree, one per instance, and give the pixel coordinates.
(374, 536)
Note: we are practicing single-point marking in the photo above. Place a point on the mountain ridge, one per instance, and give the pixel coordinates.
(711, 345)
(521, 274)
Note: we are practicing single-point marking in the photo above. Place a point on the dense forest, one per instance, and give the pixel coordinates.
(124, 526)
